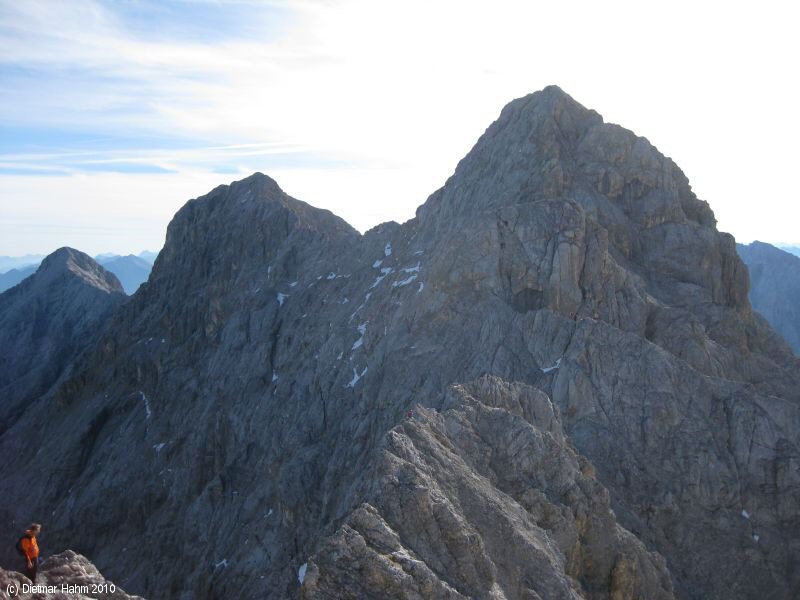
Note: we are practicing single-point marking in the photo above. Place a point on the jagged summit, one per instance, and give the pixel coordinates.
(547, 146)
(563, 320)
(247, 219)
(253, 194)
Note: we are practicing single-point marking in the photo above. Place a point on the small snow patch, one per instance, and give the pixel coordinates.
(294, 283)
(411, 269)
(553, 368)
(301, 573)
(147, 412)
(362, 329)
(745, 514)
(384, 272)
(331, 275)
(405, 281)
(269, 512)
(387, 249)
(377, 264)
(756, 537)
(420, 252)
(221, 564)
(355, 312)
(356, 377)
(421, 286)
(282, 298)
(159, 447)
(274, 377)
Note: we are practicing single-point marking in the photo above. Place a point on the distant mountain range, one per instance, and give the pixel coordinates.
(132, 270)
(775, 287)
(18, 262)
(790, 249)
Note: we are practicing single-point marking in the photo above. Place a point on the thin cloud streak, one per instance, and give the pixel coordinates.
(403, 91)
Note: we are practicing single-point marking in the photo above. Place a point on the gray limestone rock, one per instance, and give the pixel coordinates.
(63, 576)
(517, 513)
(250, 402)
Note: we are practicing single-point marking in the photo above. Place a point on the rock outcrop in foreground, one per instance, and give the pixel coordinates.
(597, 411)
(775, 288)
(62, 576)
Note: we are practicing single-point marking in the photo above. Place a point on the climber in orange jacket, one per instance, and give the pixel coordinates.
(29, 548)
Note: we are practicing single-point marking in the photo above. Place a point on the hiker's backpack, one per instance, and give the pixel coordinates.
(19, 545)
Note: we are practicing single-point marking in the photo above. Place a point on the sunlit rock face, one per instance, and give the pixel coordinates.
(595, 410)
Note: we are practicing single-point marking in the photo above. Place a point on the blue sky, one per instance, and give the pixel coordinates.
(114, 114)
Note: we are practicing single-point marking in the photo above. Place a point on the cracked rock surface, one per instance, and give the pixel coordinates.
(597, 411)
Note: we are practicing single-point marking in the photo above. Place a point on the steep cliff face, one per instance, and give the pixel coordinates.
(46, 321)
(250, 402)
(775, 288)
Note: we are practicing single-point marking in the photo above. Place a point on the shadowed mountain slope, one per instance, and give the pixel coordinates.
(47, 321)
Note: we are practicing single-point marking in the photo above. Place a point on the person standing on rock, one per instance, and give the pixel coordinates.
(29, 548)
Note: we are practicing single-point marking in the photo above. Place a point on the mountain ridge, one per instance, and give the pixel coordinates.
(264, 393)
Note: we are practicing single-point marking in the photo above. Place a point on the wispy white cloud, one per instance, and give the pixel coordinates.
(393, 93)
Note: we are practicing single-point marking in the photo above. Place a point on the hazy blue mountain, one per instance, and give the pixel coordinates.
(775, 287)
(131, 270)
(14, 276)
(18, 262)
(790, 249)
(148, 255)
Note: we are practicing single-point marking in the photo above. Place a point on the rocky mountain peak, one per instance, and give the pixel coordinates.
(548, 384)
(547, 146)
(245, 220)
(47, 320)
(68, 261)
